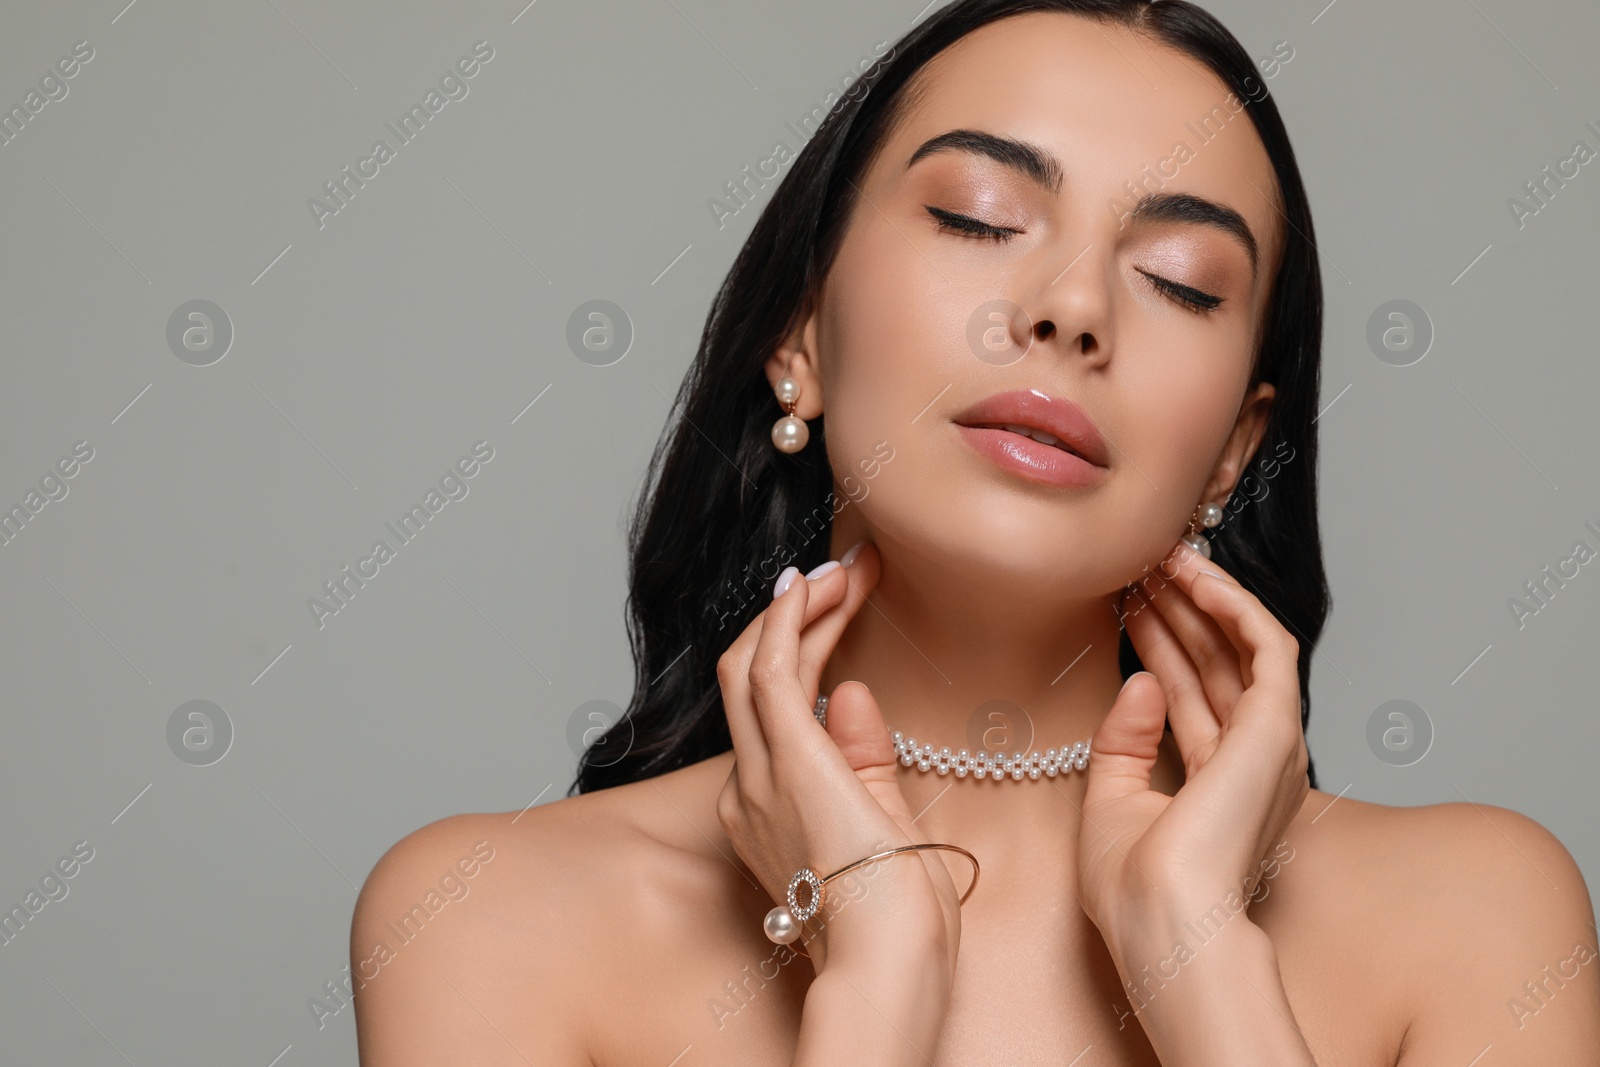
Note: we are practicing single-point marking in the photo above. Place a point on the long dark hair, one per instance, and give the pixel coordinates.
(723, 511)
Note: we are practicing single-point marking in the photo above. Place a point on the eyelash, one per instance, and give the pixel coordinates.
(1189, 297)
(965, 226)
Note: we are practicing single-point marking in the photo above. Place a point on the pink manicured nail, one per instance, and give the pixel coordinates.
(821, 569)
(851, 553)
(785, 580)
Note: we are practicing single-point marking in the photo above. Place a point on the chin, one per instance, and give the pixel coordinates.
(987, 538)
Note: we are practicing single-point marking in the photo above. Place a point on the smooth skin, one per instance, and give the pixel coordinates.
(623, 927)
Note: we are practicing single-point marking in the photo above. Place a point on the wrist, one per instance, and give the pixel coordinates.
(874, 941)
(1153, 925)
(856, 1015)
(893, 918)
(1212, 995)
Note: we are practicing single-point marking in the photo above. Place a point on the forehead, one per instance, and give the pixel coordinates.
(1107, 103)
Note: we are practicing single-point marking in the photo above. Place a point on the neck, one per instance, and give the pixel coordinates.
(971, 662)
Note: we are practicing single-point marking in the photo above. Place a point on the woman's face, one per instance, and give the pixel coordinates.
(904, 339)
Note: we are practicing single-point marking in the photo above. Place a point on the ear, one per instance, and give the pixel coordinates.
(1248, 430)
(796, 358)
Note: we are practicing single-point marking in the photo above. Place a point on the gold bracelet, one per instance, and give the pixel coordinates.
(782, 924)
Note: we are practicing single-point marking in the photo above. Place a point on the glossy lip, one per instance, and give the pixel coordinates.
(1057, 416)
(1029, 459)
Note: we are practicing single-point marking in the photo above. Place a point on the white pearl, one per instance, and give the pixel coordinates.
(1210, 516)
(1198, 543)
(790, 433)
(995, 766)
(780, 926)
(788, 391)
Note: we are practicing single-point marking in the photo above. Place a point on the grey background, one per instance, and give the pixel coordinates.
(369, 355)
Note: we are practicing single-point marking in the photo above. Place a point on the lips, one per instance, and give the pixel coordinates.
(1030, 413)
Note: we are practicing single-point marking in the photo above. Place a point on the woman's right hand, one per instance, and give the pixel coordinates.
(804, 796)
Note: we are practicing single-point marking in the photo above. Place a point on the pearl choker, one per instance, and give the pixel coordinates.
(1034, 765)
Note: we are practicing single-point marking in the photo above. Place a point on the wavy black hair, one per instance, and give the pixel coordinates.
(722, 511)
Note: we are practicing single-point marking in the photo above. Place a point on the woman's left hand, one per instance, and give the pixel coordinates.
(1225, 672)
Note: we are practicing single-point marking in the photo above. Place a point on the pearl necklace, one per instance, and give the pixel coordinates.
(1034, 765)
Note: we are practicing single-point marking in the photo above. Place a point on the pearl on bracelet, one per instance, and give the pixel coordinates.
(780, 926)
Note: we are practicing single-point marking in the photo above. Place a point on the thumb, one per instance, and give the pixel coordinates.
(1123, 750)
(856, 725)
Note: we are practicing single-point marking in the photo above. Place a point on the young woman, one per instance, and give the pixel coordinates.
(1050, 281)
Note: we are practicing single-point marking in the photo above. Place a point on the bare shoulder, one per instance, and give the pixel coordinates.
(458, 939)
(1460, 862)
(1473, 920)
(481, 937)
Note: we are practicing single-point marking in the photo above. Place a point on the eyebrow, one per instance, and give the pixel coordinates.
(1042, 168)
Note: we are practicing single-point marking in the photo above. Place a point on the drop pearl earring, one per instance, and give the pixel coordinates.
(790, 433)
(1206, 515)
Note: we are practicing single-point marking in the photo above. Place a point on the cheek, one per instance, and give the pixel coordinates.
(1177, 423)
(887, 352)
(1176, 416)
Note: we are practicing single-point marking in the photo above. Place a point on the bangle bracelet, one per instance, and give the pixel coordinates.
(782, 924)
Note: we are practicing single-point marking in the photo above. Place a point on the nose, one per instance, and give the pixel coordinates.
(1070, 306)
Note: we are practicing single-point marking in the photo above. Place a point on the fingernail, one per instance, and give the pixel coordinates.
(785, 580)
(819, 571)
(851, 553)
(1204, 566)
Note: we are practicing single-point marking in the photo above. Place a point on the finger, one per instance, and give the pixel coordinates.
(782, 705)
(856, 725)
(1258, 763)
(1268, 653)
(1252, 785)
(733, 675)
(744, 726)
(1211, 650)
(855, 722)
(847, 589)
(1124, 748)
(1195, 724)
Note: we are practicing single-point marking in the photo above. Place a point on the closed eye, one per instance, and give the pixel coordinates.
(966, 226)
(1188, 296)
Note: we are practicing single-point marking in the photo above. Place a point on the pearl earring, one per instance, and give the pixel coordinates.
(1207, 515)
(790, 433)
